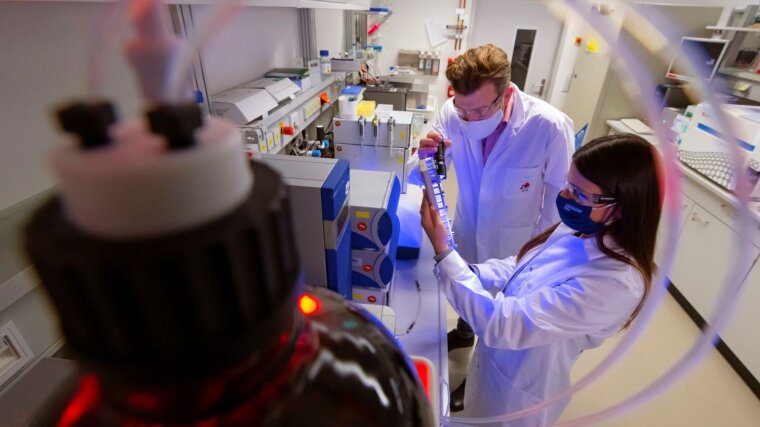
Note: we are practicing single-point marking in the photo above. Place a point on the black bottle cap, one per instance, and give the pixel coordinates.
(320, 133)
(175, 307)
(176, 123)
(89, 121)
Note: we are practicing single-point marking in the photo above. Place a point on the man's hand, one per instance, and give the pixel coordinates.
(433, 226)
(429, 145)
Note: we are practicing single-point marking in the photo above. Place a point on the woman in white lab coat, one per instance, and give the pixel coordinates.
(567, 290)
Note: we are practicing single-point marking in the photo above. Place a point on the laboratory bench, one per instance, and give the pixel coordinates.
(419, 305)
(707, 235)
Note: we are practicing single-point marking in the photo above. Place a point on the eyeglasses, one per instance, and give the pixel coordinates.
(477, 112)
(585, 198)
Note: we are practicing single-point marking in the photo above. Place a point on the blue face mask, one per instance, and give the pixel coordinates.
(577, 216)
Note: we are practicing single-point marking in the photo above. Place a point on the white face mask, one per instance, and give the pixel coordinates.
(481, 129)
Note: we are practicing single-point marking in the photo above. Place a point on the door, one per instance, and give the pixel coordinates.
(525, 30)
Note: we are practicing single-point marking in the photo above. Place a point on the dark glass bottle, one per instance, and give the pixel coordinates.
(212, 327)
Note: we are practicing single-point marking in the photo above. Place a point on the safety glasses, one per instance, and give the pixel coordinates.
(477, 112)
(586, 198)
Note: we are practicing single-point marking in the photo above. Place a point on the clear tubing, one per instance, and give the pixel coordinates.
(181, 62)
(672, 200)
(101, 38)
(729, 291)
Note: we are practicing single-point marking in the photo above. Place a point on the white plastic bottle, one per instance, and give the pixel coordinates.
(324, 63)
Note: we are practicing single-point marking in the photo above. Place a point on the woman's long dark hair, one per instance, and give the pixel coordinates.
(624, 166)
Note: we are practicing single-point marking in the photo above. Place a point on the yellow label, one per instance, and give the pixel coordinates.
(592, 45)
(270, 141)
(403, 135)
(263, 147)
(362, 214)
(401, 160)
(358, 296)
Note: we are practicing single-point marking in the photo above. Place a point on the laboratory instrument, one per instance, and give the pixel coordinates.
(435, 195)
(243, 105)
(375, 232)
(440, 160)
(374, 202)
(704, 147)
(280, 89)
(319, 197)
(382, 144)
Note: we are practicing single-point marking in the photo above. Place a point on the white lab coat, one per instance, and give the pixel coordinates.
(502, 205)
(566, 296)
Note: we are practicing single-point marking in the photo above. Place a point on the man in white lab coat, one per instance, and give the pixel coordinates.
(511, 152)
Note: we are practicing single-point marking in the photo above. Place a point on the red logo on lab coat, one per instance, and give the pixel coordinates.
(525, 187)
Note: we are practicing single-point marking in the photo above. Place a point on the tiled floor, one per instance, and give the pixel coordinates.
(711, 395)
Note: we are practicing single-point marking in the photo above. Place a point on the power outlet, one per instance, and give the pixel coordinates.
(295, 121)
(14, 352)
(312, 107)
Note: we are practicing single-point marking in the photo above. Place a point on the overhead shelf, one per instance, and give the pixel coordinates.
(305, 4)
(283, 112)
(285, 109)
(741, 74)
(743, 29)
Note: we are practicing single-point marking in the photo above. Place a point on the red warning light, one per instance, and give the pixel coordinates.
(308, 304)
(423, 370)
(362, 226)
(367, 268)
(86, 398)
(371, 299)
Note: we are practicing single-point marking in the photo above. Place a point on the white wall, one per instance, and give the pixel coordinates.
(330, 31)
(567, 55)
(730, 3)
(406, 30)
(589, 73)
(497, 22)
(257, 40)
(43, 47)
(42, 52)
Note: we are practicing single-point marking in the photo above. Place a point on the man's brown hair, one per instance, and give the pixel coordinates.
(477, 66)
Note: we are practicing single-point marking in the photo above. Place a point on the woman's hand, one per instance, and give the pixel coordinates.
(433, 226)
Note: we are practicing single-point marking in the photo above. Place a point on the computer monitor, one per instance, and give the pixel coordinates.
(713, 50)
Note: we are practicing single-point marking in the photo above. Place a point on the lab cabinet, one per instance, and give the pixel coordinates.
(742, 334)
(684, 209)
(705, 255)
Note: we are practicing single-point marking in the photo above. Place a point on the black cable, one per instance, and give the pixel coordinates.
(419, 308)
(328, 129)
